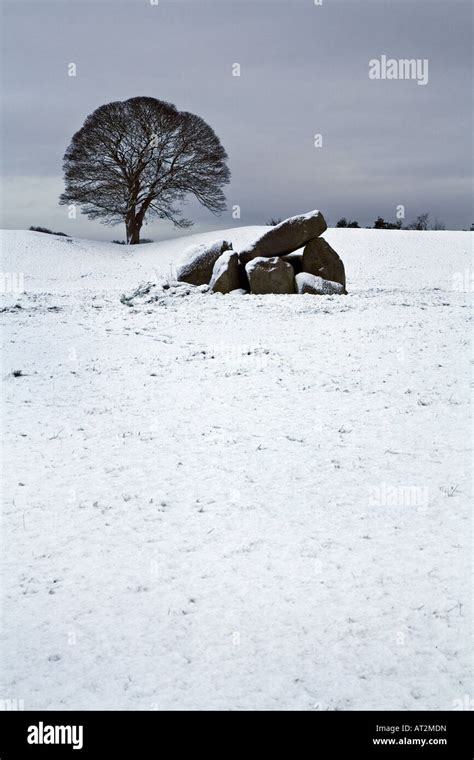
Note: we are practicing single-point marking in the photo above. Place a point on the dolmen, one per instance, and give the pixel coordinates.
(290, 257)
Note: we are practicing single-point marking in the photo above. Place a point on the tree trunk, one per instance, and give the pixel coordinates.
(133, 227)
(133, 222)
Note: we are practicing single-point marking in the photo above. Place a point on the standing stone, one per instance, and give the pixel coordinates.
(270, 275)
(309, 283)
(286, 237)
(296, 261)
(199, 260)
(225, 275)
(322, 260)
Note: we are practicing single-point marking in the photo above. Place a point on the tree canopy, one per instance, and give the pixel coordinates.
(139, 158)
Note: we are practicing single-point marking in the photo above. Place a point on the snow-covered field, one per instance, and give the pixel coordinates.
(234, 502)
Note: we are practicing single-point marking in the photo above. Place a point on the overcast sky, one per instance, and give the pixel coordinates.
(304, 70)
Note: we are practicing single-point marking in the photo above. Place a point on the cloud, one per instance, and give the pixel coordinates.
(304, 70)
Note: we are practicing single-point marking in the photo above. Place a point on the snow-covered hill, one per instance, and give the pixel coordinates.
(374, 259)
(236, 502)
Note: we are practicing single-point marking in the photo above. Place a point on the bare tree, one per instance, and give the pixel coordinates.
(141, 158)
(421, 222)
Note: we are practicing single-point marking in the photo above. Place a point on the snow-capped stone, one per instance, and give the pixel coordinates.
(225, 275)
(309, 283)
(288, 236)
(323, 261)
(270, 275)
(238, 292)
(198, 261)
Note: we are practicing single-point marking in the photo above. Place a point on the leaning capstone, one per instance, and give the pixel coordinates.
(225, 275)
(199, 260)
(286, 237)
(309, 283)
(270, 275)
(323, 261)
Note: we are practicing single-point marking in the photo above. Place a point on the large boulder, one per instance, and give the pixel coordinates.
(270, 275)
(286, 237)
(225, 274)
(322, 260)
(295, 259)
(198, 261)
(309, 283)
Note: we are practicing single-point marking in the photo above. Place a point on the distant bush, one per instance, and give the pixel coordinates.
(274, 222)
(47, 232)
(344, 223)
(381, 224)
(422, 222)
(41, 229)
(124, 242)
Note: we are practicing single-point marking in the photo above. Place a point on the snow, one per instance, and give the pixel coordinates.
(236, 503)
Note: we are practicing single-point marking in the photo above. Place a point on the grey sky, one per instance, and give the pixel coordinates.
(304, 70)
